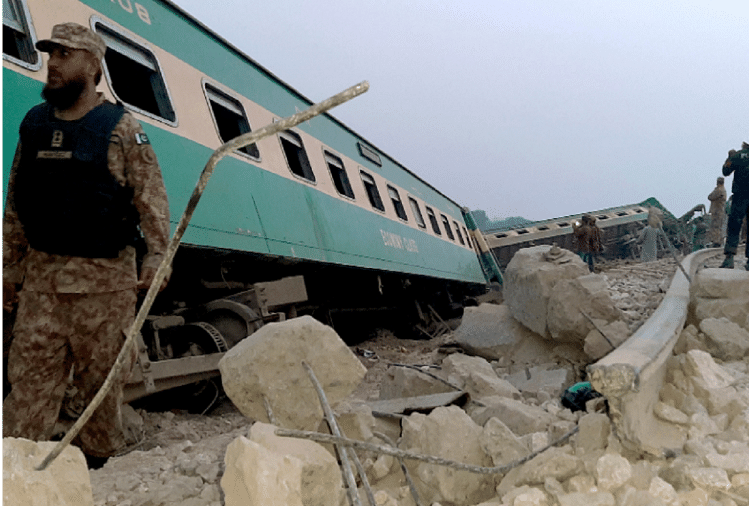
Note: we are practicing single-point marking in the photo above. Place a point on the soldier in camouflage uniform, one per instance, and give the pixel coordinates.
(717, 200)
(72, 273)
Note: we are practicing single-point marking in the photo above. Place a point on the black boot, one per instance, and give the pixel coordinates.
(727, 263)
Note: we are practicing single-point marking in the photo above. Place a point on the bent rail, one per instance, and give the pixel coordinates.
(631, 376)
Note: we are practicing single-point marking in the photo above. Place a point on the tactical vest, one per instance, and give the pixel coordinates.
(66, 198)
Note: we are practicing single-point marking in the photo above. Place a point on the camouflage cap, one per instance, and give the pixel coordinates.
(74, 36)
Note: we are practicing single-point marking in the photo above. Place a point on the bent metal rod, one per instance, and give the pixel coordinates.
(164, 267)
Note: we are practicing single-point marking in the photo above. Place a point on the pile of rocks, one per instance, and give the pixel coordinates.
(514, 377)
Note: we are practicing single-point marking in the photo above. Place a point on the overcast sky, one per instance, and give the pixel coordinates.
(536, 108)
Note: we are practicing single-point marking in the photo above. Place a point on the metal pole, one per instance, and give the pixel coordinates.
(164, 267)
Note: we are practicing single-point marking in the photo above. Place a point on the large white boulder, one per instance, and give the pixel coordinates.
(724, 339)
(568, 300)
(529, 279)
(256, 475)
(477, 377)
(268, 364)
(720, 293)
(449, 433)
(321, 477)
(491, 332)
(65, 482)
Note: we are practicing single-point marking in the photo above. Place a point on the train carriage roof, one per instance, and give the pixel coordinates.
(211, 33)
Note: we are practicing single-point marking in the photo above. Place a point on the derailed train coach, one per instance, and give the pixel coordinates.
(619, 227)
(314, 220)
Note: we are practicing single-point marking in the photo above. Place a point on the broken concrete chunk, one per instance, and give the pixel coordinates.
(720, 293)
(499, 442)
(596, 346)
(406, 382)
(321, 477)
(435, 434)
(256, 475)
(65, 482)
(670, 414)
(589, 499)
(661, 489)
(521, 418)
(725, 340)
(528, 282)
(543, 378)
(700, 364)
(491, 332)
(732, 463)
(558, 463)
(709, 478)
(355, 420)
(594, 432)
(568, 300)
(268, 364)
(423, 404)
(477, 377)
(526, 496)
(612, 471)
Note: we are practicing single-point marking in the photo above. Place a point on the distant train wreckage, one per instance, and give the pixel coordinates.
(619, 228)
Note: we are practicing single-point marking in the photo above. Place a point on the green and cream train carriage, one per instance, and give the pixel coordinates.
(317, 203)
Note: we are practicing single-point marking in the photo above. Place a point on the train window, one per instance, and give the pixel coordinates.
(621, 213)
(397, 204)
(18, 36)
(372, 192)
(457, 232)
(543, 227)
(446, 224)
(468, 237)
(522, 231)
(230, 118)
(295, 154)
(338, 173)
(370, 154)
(433, 221)
(135, 75)
(416, 210)
(563, 224)
(602, 217)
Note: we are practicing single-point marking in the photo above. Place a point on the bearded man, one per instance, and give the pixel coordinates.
(84, 186)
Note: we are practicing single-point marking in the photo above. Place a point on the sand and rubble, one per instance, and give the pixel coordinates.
(515, 409)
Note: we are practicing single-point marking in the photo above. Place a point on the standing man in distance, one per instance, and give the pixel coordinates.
(588, 237)
(717, 200)
(84, 185)
(738, 164)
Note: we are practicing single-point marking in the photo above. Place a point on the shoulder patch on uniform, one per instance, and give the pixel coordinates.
(141, 138)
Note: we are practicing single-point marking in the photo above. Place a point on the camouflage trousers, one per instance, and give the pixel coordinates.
(54, 334)
(715, 234)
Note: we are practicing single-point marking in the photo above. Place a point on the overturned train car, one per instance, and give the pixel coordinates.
(314, 220)
(619, 227)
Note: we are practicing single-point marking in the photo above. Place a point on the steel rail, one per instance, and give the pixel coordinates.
(631, 377)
